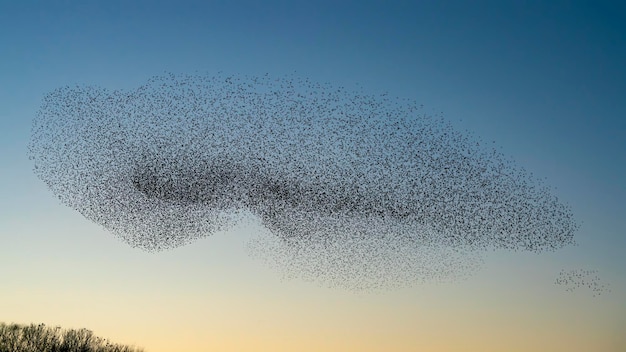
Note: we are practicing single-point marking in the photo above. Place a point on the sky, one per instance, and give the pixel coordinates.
(544, 80)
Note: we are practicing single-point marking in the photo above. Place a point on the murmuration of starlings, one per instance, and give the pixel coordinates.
(354, 189)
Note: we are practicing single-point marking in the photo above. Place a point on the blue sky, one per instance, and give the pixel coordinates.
(545, 80)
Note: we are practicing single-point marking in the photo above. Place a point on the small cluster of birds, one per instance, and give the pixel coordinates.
(356, 190)
(581, 279)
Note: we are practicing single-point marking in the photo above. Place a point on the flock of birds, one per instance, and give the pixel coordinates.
(355, 190)
(582, 279)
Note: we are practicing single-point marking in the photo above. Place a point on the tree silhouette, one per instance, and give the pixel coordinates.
(40, 338)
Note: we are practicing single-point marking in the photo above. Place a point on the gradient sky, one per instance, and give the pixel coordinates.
(545, 80)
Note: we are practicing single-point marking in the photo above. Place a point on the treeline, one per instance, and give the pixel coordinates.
(40, 338)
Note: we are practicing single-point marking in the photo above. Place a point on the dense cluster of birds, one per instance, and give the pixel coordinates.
(356, 189)
(582, 279)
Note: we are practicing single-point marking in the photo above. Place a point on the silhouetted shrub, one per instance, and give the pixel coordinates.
(39, 338)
